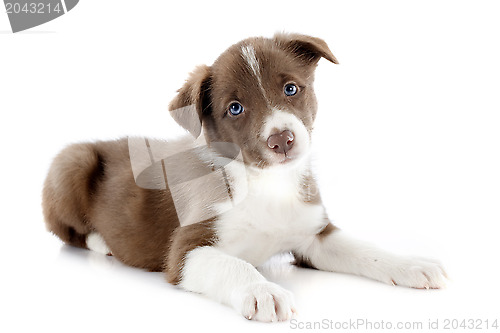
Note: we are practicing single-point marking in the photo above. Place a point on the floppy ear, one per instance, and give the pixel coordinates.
(308, 48)
(192, 100)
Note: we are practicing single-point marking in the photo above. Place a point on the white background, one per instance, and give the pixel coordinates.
(407, 141)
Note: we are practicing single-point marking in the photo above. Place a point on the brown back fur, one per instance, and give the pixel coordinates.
(91, 187)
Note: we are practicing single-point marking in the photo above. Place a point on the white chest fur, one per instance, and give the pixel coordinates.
(269, 215)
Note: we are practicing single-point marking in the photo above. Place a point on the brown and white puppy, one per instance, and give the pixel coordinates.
(257, 96)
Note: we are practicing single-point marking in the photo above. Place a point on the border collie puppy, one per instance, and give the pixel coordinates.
(208, 210)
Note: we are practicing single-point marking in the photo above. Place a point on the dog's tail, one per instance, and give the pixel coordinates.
(68, 191)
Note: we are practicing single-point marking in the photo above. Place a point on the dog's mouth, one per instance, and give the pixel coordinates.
(268, 159)
(266, 163)
(269, 163)
(286, 159)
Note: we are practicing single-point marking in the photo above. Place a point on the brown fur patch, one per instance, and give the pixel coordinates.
(308, 48)
(90, 187)
(184, 240)
(195, 92)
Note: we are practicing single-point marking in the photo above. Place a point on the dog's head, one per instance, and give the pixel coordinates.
(258, 95)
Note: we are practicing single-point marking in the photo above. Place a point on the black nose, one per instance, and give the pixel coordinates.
(281, 143)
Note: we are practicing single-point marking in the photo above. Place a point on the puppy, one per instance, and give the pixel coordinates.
(208, 210)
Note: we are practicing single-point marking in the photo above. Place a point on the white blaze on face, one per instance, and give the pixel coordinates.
(279, 121)
(248, 54)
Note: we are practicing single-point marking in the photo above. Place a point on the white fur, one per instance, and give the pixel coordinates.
(340, 253)
(234, 282)
(96, 243)
(271, 219)
(281, 120)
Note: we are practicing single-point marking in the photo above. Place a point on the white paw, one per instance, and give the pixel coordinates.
(417, 273)
(265, 301)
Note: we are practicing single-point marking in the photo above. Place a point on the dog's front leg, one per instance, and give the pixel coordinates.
(232, 281)
(333, 250)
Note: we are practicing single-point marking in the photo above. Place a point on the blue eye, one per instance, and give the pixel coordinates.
(235, 109)
(290, 89)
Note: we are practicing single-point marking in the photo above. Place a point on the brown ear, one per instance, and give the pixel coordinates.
(192, 100)
(308, 48)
